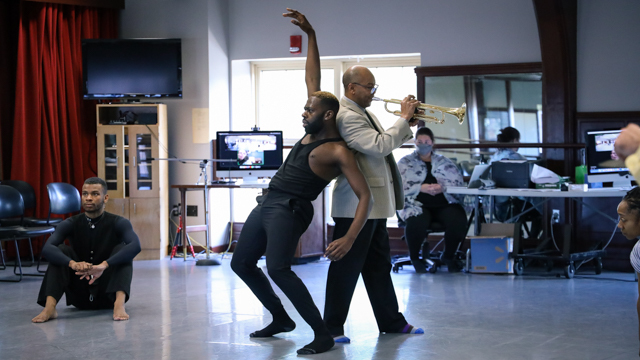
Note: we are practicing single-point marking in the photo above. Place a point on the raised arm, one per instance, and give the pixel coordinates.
(349, 167)
(312, 67)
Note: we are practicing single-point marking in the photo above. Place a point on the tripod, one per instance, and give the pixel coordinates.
(178, 241)
(203, 172)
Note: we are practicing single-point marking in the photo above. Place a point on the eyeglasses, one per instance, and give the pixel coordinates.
(370, 88)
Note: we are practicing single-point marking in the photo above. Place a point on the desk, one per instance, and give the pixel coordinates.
(566, 256)
(312, 242)
(183, 206)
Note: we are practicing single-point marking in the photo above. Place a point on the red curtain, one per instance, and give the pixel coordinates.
(54, 130)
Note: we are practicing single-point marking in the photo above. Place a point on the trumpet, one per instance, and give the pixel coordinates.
(429, 109)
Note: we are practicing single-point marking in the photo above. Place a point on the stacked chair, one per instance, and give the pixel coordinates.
(12, 207)
(63, 199)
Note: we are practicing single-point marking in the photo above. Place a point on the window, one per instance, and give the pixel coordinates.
(282, 95)
(281, 92)
(510, 101)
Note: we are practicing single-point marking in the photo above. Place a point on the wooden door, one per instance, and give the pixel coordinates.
(118, 206)
(144, 214)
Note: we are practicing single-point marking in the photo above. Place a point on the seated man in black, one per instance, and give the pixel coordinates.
(95, 271)
(274, 227)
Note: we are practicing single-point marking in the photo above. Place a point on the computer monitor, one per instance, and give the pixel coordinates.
(603, 164)
(251, 154)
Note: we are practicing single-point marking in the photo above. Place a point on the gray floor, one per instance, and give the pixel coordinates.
(182, 311)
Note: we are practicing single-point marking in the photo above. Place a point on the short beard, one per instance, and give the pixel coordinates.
(314, 127)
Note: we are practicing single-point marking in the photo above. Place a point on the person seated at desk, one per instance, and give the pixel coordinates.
(508, 135)
(102, 249)
(425, 177)
(629, 225)
(503, 204)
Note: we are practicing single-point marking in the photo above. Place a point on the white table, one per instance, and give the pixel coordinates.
(548, 194)
(545, 193)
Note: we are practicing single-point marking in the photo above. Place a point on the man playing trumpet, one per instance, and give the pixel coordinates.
(370, 253)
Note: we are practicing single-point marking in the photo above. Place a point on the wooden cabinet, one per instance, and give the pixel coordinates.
(130, 137)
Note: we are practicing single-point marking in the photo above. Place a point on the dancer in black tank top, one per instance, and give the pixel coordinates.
(274, 227)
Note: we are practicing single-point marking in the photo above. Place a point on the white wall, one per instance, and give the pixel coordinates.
(608, 61)
(445, 32)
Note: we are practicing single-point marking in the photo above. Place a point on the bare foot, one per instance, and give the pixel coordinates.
(45, 316)
(119, 314)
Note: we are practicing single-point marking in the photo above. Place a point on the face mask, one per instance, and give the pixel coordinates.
(424, 149)
(314, 127)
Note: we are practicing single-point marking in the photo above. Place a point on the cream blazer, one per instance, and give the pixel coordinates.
(373, 154)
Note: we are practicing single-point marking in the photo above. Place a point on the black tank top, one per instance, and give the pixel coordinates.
(295, 176)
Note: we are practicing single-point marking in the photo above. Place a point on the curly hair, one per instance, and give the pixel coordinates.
(632, 198)
(328, 100)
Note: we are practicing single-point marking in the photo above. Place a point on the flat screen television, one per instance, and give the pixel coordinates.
(131, 68)
(603, 164)
(251, 154)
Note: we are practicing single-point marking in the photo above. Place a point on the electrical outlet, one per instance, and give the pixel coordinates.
(192, 210)
(555, 215)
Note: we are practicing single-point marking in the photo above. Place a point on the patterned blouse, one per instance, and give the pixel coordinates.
(413, 171)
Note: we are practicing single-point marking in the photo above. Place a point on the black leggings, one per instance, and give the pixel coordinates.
(451, 216)
(60, 279)
(274, 228)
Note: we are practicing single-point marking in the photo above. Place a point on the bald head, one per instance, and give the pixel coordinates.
(359, 83)
(357, 74)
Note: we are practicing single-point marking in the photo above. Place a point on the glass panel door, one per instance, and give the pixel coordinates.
(143, 171)
(111, 159)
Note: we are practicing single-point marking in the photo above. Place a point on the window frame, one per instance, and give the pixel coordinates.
(338, 64)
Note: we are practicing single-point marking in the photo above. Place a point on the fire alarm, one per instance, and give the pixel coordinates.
(295, 46)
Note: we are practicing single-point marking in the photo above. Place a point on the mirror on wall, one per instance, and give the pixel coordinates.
(496, 96)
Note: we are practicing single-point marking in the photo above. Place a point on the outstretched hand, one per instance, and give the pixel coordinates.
(628, 141)
(299, 20)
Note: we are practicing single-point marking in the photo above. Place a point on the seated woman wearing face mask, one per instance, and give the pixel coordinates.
(425, 177)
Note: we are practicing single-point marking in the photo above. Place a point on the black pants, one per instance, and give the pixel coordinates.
(370, 257)
(451, 216)
(274, 228)
(101, 294)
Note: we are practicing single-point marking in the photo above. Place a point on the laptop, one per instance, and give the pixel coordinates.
(480, 178)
